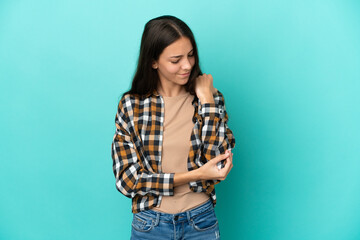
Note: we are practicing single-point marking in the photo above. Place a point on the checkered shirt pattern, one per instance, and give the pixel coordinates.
(137, 146)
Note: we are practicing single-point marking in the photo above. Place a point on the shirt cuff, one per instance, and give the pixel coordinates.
(167, 181)
(211, 109)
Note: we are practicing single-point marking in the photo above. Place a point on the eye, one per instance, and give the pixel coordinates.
(191, 55)
(175, 62)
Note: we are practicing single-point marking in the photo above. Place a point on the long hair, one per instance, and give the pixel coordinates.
(159, 33)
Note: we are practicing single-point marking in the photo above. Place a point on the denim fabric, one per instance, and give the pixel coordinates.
(198, 223)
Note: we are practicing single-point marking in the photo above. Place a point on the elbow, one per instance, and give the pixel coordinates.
(126, 180)
(124, 189)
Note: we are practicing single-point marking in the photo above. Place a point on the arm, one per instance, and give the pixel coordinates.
(131, 176)
(209, 171)
(216, 137)
(215, 133)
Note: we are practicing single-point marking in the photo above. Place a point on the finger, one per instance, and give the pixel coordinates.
(230, 163)
(220, 157)
(227, 166)
(229, 151)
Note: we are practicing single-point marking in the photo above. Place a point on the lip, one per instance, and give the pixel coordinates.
(185, 74)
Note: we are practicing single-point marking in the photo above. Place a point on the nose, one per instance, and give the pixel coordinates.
(186, 64)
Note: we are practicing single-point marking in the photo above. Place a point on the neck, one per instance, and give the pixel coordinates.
(171, 91)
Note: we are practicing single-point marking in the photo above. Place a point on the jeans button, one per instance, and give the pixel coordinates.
(176, 218)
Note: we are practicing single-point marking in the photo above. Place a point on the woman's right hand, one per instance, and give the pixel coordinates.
(210, 170)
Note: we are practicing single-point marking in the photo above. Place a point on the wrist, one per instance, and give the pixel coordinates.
(197, 174)
(185, 177)
(206, 97)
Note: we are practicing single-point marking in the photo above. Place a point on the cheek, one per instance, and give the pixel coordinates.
(192, 62)
(173, 68)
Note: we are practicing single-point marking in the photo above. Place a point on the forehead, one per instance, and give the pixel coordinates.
(182, 46)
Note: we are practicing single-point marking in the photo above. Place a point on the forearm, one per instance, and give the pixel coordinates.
(208, 171)
(215, 134)
(186, 177)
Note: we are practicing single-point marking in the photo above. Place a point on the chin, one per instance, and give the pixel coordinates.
(183, 81)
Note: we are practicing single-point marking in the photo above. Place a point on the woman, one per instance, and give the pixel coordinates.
(172, 143)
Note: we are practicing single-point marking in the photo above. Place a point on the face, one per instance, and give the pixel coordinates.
(175, 63)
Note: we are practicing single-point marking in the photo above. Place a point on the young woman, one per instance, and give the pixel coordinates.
(172, 143)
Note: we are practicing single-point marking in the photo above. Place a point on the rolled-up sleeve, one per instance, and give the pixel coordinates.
(216, 136)
(132, 176)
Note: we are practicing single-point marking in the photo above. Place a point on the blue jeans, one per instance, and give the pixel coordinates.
(198, 223)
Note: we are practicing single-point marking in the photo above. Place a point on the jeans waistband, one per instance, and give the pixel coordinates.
(160, 216)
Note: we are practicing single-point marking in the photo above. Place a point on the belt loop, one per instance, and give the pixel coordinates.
(188, 215)
(157, 219)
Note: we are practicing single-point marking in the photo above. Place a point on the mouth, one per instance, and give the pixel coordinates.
(185, 74)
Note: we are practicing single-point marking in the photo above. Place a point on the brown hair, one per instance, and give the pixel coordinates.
(159, 33)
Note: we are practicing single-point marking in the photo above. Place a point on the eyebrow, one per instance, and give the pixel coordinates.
(181, 55)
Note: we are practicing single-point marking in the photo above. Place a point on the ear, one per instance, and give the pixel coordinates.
(154, 64)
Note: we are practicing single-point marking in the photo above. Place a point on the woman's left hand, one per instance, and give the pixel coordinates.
(204, 88)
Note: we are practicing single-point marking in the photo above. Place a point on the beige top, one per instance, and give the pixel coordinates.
(178, 126)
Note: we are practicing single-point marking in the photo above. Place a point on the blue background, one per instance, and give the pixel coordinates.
(290, 74)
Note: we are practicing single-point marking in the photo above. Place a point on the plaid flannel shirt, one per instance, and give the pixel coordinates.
(137, 147)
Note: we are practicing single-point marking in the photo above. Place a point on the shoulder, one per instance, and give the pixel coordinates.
(133, 102)
(128, 101)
